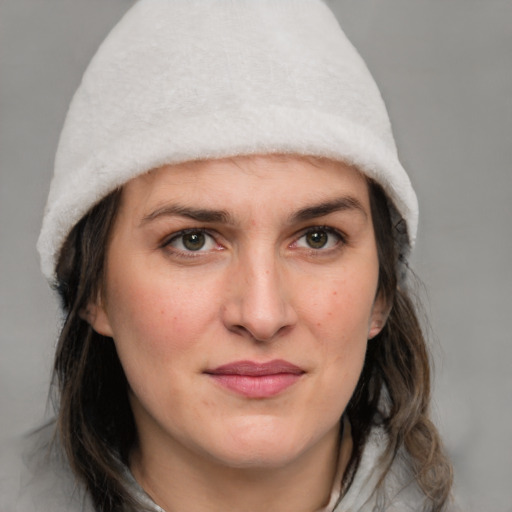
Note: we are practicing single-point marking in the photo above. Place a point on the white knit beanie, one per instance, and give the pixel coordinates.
(180, 80)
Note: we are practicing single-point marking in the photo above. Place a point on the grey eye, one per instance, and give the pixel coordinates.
(319, 238)
(193, 241)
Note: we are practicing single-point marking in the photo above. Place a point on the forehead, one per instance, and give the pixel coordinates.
(262, 180)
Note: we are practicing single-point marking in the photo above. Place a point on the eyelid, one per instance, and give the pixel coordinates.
(331, 231)
(342, 238)
(168, 240)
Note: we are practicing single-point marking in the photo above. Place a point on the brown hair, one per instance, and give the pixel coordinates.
(394, 387)
(95, 423)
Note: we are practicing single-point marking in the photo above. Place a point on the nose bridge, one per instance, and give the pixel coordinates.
(259, 305)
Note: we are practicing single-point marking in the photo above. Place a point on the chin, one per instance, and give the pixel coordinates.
(257, 456)
(262, 444)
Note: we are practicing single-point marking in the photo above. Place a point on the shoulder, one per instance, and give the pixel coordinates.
(375, 490)
(34, 477)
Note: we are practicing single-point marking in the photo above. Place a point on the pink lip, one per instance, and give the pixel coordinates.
(256, 380)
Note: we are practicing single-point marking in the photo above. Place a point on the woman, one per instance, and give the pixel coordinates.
(228, 228)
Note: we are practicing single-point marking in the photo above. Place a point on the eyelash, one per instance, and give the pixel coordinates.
(180, 235)
(167, 244)
(340, 239)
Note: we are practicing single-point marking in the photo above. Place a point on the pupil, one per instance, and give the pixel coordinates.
(193, 241)
(317, 239)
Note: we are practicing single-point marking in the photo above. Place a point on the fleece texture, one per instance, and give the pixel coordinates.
(181, 80)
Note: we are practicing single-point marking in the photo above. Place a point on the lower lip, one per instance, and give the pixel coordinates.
(260, 386)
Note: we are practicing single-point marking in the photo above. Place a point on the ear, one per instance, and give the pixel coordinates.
(96, 316)
(380, 313)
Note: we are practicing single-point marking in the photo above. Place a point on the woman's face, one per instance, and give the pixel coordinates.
(240, 295)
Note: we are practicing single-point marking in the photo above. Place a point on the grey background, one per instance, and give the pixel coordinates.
(445, 70)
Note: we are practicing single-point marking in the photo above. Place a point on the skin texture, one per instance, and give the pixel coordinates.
(256, 290)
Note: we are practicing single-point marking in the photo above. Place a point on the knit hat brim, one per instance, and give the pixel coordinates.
(186, 80)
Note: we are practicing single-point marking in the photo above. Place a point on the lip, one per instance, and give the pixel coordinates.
(256, 380)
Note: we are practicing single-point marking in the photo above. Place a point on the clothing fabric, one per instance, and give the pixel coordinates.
(399, 494)
(181, 80)
(47, 485)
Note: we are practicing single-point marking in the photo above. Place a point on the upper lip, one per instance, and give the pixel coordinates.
(255, 369)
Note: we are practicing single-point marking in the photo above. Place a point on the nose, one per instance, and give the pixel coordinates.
(258, 305)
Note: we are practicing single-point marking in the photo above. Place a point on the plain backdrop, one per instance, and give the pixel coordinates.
(445, 71)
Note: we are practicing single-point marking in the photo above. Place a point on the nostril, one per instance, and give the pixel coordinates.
(240, 329)
(257, 335)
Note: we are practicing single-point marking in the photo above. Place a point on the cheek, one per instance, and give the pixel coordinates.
(341, 309)
(157, 321)
(339, 319)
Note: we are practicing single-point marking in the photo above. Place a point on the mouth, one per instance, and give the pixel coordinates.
(256, 380)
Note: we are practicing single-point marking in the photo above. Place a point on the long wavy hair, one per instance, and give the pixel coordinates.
(95, 424)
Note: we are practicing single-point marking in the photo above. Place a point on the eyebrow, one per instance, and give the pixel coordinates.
(328, 207)
(224, 217)
(198, 214)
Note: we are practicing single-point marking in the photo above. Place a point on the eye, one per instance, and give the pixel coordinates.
(193, 240)
(319, 238)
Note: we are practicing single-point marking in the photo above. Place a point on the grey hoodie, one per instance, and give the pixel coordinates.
(44, 483)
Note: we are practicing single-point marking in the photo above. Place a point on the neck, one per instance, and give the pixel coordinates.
(182, 481)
